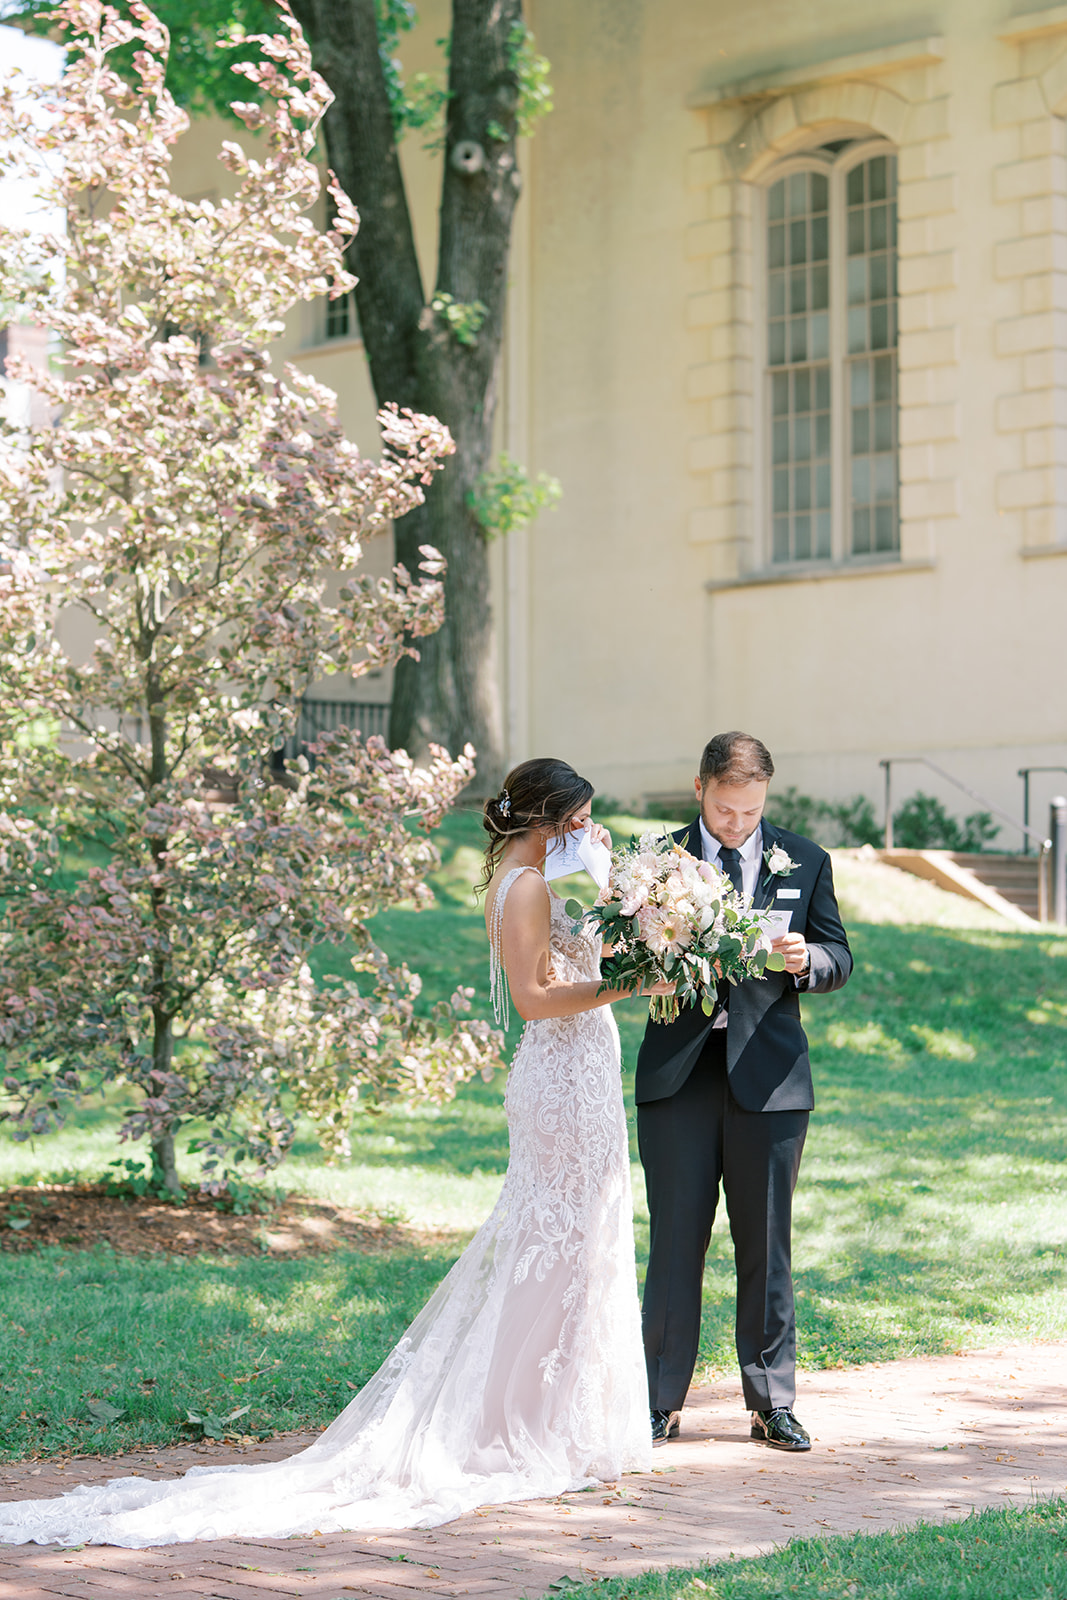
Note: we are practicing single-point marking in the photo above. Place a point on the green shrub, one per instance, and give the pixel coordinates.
(834, 823)
(922, 823)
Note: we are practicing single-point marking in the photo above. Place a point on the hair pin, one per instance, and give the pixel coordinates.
(503, 805)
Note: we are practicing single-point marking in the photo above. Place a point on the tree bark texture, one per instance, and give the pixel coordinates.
(164, 1165)
(415, 358)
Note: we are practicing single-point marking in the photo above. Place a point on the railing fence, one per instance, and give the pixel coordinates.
(323, 716)
(1024, 773)
(1052, 848)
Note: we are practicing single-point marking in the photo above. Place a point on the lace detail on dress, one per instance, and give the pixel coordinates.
(521, 1377)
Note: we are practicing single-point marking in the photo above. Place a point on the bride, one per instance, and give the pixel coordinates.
(523, 1375)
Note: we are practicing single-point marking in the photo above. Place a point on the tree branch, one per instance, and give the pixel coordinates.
(478, 201)
(361, 142)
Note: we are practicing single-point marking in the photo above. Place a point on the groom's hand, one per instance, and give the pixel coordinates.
(794, 947)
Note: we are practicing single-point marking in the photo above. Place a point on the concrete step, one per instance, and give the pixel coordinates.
(965, 874)
(1015, 878)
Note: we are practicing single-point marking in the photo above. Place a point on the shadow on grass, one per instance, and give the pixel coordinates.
(927, 1057)
(929, 1213)
(160, 1338)
(897, 1304)
(929, 1209)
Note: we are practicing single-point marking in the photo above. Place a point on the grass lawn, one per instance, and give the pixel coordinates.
(992, 1555)
(930, 1212)
(157, 1337)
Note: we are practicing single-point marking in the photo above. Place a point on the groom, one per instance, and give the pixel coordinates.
(726, 1099)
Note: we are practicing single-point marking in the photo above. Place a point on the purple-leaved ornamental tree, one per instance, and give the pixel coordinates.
(189, 502)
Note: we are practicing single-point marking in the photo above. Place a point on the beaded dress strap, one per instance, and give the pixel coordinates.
(498, 978)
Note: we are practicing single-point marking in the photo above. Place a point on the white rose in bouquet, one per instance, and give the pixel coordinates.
(671, 918)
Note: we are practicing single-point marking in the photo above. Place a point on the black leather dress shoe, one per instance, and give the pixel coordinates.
(780, 1429)
(665, 1425)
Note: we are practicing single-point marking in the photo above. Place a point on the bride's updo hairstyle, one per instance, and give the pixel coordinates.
(543, 793)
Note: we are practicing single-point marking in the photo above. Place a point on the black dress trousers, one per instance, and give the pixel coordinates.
(690, 1142)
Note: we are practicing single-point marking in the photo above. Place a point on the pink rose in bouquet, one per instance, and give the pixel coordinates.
(671, 918)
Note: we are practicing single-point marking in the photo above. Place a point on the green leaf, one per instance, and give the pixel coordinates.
(707, 1005)
(211, 1426)
(574, 909)
(776, 961)
(506, 498)
(104, 1411)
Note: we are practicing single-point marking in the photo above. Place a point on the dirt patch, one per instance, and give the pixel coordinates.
(80, 1216)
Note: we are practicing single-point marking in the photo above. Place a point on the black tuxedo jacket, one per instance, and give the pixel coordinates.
(766, 1047)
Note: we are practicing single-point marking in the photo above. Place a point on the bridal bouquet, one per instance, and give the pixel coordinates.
(671, 917)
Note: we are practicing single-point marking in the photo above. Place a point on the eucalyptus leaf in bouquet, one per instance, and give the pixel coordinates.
(667, 917)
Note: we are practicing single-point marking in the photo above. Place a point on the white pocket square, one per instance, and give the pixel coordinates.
(787, 894)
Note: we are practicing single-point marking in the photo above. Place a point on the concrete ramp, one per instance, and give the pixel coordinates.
(973, 876)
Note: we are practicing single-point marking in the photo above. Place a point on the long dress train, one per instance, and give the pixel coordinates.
(522, 1376)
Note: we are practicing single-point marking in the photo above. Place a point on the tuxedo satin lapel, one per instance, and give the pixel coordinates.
(694, 842)
(765, 884)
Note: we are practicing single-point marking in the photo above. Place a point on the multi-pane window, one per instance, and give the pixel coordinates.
(340, 317)
(798, 348)
(831, 358)
(871, 241)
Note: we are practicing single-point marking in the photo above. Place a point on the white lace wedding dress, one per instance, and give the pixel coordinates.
(523, 1376)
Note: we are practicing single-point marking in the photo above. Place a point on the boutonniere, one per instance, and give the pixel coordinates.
(778, 863)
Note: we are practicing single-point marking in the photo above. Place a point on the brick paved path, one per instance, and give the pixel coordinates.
(894, 1443)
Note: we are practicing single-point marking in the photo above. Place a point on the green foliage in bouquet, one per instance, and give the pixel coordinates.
(671, 918)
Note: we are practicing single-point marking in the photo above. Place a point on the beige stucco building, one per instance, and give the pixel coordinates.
(789, 323)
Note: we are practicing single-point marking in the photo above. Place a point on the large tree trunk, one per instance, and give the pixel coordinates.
(450, 693)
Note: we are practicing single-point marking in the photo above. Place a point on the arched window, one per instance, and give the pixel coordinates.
(830, 232)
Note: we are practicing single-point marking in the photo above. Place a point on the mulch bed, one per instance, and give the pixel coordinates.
(80, 1216)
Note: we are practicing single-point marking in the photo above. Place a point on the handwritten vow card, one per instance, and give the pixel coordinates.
(578, 852)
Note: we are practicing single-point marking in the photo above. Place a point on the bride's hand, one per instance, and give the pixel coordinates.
(599, 835)
(662, 987)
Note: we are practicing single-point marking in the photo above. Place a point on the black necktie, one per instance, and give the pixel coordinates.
(731, 865)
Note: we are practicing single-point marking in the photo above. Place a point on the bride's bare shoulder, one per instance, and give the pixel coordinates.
(527, 890)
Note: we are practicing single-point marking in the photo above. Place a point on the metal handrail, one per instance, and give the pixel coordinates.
(1045, 853)
(1024, 773)
(924, 761)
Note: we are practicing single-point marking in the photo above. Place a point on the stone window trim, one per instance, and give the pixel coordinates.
(860, 66)
(743, 142)
(331, 347)
(836, 167)
(822, 572)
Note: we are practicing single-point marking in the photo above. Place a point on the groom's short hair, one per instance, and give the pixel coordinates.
(736, 758)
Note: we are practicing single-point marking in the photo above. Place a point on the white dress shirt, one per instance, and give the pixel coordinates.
(751, 855)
